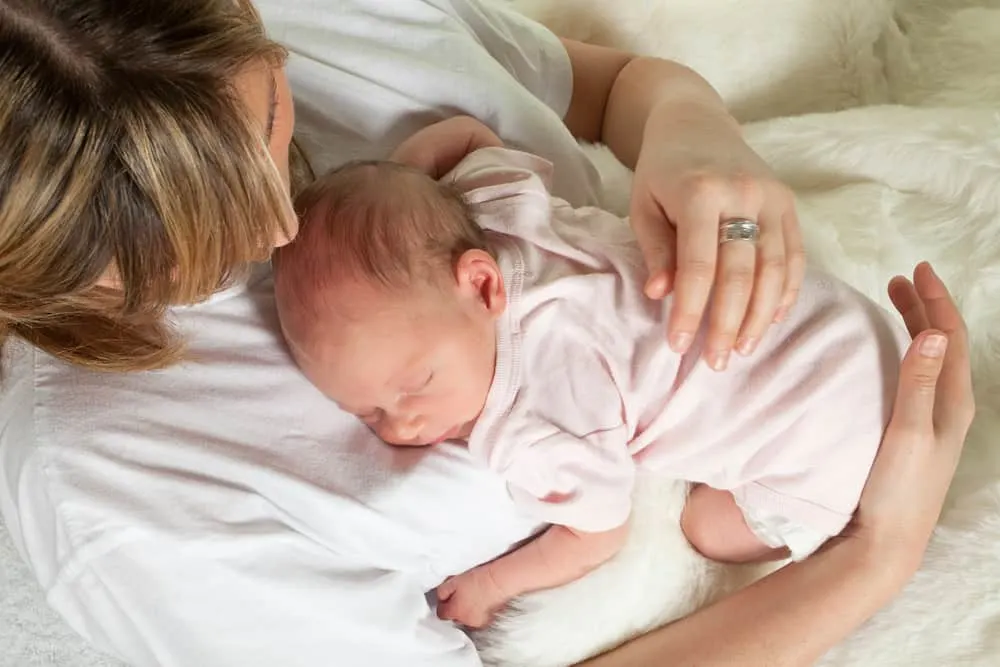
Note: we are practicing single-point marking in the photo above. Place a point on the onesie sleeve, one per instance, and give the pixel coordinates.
(582, 482)
(563, 445)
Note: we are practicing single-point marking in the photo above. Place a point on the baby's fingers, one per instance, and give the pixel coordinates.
(446, 589)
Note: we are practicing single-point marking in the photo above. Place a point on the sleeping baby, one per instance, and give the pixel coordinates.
(474, 307)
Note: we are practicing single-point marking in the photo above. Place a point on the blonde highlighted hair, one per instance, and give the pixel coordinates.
(125, 151)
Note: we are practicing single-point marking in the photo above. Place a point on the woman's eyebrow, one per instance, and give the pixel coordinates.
(272, 108)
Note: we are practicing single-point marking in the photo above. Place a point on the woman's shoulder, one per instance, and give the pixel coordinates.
(371, 77)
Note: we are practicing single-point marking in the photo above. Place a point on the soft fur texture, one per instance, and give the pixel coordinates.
(880, 187)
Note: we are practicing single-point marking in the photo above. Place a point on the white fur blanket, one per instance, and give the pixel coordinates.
(880, 187)
(897, 160)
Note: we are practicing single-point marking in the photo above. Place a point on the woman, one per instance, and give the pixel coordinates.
(216, 510)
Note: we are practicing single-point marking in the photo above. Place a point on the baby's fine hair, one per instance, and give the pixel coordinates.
(382, 222)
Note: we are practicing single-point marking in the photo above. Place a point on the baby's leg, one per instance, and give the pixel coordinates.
(714, 525)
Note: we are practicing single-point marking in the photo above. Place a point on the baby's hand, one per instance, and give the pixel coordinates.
(437, 149)
(470, 599)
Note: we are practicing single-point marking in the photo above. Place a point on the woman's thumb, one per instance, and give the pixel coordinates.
(918, 376)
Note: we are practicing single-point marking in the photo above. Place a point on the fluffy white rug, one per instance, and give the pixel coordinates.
(880, 188)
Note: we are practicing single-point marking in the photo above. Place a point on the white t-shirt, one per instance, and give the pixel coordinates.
(586, 387)
(223, 512)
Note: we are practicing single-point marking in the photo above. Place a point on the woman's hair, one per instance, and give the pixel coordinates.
(126, 152)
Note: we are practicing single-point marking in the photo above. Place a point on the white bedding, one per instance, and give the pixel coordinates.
(880, 187)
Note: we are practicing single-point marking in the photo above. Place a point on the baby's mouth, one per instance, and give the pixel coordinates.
(450, 434)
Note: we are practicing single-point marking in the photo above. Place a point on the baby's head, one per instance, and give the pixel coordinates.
(388, 299)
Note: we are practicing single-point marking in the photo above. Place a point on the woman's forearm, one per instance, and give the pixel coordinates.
(787, 619)
(654, 97)
(618, 98)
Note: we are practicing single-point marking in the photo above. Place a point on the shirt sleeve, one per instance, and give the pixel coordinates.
(177, 605)
(528, 50)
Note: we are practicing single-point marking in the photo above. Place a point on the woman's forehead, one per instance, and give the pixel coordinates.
(255, 86)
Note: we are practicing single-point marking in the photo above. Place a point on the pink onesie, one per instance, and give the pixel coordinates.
(586, 387)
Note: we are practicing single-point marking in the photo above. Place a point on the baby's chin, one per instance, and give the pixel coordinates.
(455, 433)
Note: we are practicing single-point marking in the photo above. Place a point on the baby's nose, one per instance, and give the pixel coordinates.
(404, 429)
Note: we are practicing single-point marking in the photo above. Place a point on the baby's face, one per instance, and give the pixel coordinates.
(414, 367)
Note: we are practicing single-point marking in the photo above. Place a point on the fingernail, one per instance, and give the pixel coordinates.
(933, 346)
(746, 346)
(781, 314)
(656, 288)
(680, 342)
(718, 360)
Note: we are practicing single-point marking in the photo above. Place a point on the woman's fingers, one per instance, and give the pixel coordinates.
(795, 261)
(772, 278)
(940, 309)
(926, 304)
(956, 406)
(918, 377)
(904, 298)
(697, 248)
(734, 286)
(737, 271)
(657, 241)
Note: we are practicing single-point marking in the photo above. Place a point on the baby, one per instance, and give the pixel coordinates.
(478, 308)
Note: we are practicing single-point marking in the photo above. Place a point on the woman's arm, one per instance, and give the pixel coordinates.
(788, 618)
(615, 95)
(692, 171)
(795, 615)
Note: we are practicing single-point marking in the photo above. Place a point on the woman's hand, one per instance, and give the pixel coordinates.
(688, 182)
(693, 171)
(796, 614)
(934, 408)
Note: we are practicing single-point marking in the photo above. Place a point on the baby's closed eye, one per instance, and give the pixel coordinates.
(417, 387)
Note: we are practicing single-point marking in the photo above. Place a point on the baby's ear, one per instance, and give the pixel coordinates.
(479, 277)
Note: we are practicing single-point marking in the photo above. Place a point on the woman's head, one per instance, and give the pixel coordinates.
(143, 160)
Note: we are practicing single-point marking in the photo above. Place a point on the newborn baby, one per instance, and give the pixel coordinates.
(478, 308)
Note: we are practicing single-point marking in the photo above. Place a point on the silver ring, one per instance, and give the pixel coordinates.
(739, 229)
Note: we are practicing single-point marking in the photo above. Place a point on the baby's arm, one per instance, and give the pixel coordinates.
(562, 448)
(560, 555)
(436, 149)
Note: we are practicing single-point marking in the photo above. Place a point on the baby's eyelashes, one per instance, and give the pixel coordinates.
(418, 387)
